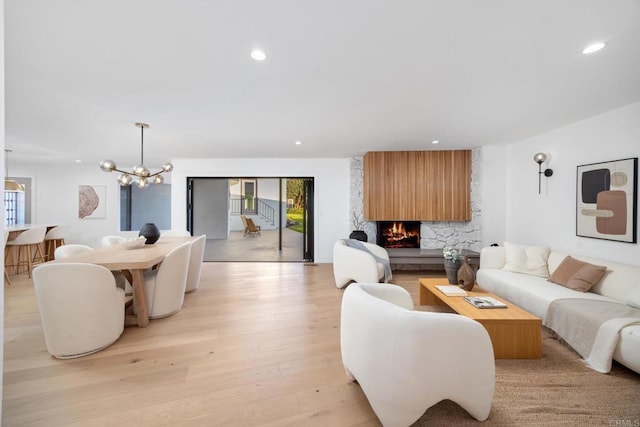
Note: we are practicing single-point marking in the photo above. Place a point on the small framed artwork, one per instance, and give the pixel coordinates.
(92, 201)
(607, 200)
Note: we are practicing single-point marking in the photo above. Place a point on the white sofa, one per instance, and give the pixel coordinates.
(406, 361)
(621, 283)
(354, 265)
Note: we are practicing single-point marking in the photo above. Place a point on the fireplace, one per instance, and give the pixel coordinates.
(398, 234)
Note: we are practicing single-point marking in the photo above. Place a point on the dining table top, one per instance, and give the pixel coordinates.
(119, 257)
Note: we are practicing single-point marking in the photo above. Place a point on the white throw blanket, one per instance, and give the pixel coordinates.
(591, 327)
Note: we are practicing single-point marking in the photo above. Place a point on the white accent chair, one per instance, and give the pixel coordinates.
(111, 240)
(195, 263)
(82, 310)
(70, 250)
(164, 287)
(175, 232)
(353, 265)
(407, 361)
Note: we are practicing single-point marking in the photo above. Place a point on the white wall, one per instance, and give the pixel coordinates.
(550, 218)
(331, 180)
(493, 194)
(55, 200)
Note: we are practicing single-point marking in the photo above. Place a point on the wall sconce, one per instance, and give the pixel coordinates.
(539, 159)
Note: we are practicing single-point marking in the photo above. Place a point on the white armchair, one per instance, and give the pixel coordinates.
(81, 308)
(354, 265)
(164, 287)
(406, 361)
(195, 263)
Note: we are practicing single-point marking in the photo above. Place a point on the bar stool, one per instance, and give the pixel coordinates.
(6, 239)
(53, 240)
(31, 238)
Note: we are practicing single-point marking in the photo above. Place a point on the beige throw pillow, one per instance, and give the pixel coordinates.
(567, 268)
(577, 275)
(526, 259)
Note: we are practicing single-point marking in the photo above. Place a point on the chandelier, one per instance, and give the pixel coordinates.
(144, 176)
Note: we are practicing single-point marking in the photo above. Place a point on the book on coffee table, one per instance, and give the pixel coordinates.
(485, 302)
(452, 290)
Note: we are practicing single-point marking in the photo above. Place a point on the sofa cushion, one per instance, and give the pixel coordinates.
(586, 277)
(526, 259)
(633, 299)
(578, 275)
(534, 294)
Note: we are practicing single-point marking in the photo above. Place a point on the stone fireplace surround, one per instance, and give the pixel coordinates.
(433, 234)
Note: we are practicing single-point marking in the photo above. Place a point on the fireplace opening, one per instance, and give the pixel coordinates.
(398, 234)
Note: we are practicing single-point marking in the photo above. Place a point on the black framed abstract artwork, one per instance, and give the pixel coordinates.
(607, 200)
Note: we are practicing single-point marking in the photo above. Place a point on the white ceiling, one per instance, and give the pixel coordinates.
(342, 76)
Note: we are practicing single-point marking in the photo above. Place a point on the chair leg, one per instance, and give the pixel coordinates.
(18, 260)
(39, 251)
(6, 276)
(8, 255)
(29, 260)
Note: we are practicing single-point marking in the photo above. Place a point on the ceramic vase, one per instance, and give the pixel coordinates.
(151, 232)
(466, 276)
(358, 235)
(451, 268)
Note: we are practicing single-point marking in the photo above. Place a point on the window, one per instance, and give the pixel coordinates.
(12, 202)
(17, 206)
(249, 195)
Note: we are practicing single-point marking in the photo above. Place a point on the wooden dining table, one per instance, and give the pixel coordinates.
(133, 262)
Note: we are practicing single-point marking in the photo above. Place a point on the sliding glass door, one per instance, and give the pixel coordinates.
(253, 218)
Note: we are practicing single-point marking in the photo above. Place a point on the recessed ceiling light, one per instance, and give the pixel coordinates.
(78, 161)
(435, 141)
(298, 142)
(593, 48)
(258, 55)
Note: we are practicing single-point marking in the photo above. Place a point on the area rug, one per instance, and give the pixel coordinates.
(555, 390)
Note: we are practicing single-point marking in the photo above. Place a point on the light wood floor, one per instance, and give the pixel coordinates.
(256, 345)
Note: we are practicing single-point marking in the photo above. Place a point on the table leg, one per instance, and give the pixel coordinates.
(427, 298)
(139, 299)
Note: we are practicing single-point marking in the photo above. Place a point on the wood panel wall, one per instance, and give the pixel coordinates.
(417, 185)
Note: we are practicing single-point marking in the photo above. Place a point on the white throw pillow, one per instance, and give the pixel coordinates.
(526, 259)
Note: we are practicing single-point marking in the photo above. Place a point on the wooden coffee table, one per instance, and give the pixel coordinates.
(515, 333)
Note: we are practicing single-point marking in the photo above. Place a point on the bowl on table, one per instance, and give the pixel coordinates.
(136, 242)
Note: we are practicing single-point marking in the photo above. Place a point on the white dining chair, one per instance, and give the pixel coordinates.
(164, 287)
(31, 240)
(70, 250)
(66, 251)
(81, 309)
(195, 263)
